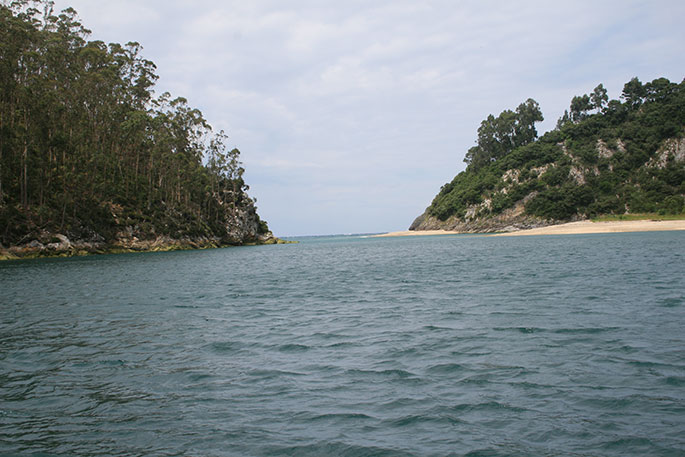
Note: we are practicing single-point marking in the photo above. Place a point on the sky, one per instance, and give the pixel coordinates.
(350, 115)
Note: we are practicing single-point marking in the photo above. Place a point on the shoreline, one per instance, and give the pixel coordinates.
(417, 233)
(569, 228)
(589, 227)
(66, 248)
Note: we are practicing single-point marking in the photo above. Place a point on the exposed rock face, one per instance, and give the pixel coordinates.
(242, 228)
(603, 150)
(67, 248)
(672, 151)
(500, 223)
(510, 220)
(511, 176)
(62, 243)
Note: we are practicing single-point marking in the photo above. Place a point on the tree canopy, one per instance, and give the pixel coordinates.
(82, 131)
(497, 136)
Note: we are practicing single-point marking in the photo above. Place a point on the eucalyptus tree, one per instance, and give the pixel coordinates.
(580, 105)
(81, 130)
(633, 93)
(599, 98)
(497, 136)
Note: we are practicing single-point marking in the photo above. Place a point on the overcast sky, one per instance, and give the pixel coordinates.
(350, 115)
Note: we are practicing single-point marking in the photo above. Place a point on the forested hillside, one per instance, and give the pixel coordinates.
(89, 153)
(605, 157)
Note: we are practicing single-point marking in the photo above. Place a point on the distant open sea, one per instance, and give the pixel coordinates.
(350, 346)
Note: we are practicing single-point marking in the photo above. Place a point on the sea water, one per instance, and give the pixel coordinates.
(353, 346)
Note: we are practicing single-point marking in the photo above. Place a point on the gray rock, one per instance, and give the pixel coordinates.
(62, 238)
(36, 245)
(63, 245)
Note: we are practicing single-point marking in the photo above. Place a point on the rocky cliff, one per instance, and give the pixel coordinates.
(128, 234)
(510, 220)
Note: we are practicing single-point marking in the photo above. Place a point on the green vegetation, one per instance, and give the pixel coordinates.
(87, 149)
(605, 157)
(639, 217)
(498, 136)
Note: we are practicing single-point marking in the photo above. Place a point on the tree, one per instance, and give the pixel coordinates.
(563, 120)
(599, 98)
(633, 93)
(498, 136)
(527, 114)
(580, 105)
(81, 130)
(659, 89)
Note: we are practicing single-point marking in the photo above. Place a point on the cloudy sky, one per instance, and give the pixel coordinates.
(350, 115)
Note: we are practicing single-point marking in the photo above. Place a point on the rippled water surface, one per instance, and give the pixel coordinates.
(426, 346)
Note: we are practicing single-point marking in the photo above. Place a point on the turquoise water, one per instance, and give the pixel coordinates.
(423, 346)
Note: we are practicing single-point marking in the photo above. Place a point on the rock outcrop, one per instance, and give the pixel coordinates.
(62, 246)
(509, 220)
(127, 234)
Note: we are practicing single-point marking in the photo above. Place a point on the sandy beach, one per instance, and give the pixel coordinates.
(571, 228)
(576, 228)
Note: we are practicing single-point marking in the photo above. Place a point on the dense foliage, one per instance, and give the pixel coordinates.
(498, 136)
(86, 147)
(604, 157)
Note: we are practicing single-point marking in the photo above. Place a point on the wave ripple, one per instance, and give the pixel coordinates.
(349, 346)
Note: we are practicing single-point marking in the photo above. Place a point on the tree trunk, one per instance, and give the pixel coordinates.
(24, 178)
(1, 195)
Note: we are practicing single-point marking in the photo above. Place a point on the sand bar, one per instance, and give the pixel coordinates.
(417, 233)
(570, 228)
(581, 227)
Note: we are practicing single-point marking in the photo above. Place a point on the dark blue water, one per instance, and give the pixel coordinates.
(426, 346)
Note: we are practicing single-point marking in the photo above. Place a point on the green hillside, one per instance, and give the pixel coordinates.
(606, 157)
(89, 152)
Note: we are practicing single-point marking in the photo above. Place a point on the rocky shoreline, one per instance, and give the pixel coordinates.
(59, 245)
(510, 220)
